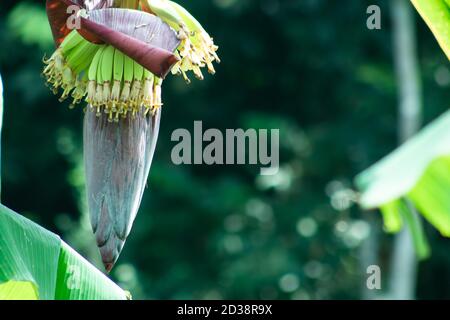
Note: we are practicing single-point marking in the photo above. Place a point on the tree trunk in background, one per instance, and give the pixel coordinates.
(403, 273)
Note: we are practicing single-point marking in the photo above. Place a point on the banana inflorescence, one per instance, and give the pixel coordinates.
(197, 48)
(118, 155)
(114, 84)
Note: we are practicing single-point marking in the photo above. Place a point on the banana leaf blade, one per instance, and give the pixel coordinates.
(397, 174)
(436, 14)
(418, 170)
(36, 264)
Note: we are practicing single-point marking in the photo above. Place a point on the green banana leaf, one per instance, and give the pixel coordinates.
(1, 124)
(397, 212)
(418, 171)
(436, 14)
(37, 264)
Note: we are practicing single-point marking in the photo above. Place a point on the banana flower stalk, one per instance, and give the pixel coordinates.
(115, 60)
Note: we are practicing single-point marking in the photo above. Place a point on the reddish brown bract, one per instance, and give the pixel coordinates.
(157, 60)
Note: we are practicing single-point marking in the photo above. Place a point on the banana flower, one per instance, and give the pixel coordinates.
(115, 59)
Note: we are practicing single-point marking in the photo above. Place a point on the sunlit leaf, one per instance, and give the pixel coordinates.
(419, 170)
(77, 279)
(392, 217)
(415, 227)
(28, 253)
(431, 194)
(436, 14)
(18, 290)
(398, 213)
(1, 122)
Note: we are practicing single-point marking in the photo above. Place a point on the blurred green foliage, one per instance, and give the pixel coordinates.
(308, 67)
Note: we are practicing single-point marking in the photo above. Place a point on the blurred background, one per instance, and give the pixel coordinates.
(308, 67)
